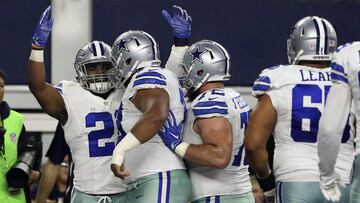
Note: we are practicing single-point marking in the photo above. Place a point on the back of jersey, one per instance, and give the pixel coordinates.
(152, 156)
(91, 135)
(298, 94)
(346, 69)
(234, 179)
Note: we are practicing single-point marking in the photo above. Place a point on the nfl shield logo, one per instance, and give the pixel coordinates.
(13, 137)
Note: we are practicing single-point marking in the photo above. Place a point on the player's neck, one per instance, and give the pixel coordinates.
(211, 85)
(315, 64)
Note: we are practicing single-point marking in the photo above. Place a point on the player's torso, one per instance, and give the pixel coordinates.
(299, 94)
(234, 179)
(91, 134)
(153, 156)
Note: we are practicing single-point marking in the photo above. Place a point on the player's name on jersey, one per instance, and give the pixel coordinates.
(307, 75)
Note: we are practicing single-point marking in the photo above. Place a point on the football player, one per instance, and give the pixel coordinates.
(344, 90)
(152, 96)
(290, 101)
(214, 129)
(86, 110)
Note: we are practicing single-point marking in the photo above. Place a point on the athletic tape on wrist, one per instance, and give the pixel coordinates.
(37, 55)
(181, 149)
(127, 143)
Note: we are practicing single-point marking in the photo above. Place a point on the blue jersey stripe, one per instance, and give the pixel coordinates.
(151, 74)
(199, 112)
(280, 192)
(168, 186)
(264, 79)
(217, 199)
(149, 81)
(259, 87)
(338, 77)
(211, 104)
(160, 187)
(119, 119)
(207, 200)
(337, 67)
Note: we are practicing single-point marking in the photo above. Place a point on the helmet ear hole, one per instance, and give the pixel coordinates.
(128, 61)
(199, 72)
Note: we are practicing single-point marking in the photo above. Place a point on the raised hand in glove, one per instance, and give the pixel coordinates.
(42, 30)
(180, 22)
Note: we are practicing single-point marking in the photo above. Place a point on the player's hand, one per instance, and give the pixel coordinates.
(330, 187)
(269, 196)
(171, 133)
(180, 22)
(42, 30)
(267, 184)
(119, 171)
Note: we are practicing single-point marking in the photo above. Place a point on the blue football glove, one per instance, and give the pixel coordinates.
(171, 133)
(180, 22)
(42, 30)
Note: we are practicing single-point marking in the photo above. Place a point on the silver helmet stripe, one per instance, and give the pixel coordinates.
(321, 37)
(154, 45)
(227, 70)
(102, 49)
(326, 36)
(97, 48)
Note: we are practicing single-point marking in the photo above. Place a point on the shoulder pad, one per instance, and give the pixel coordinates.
(149, 77)
(266, 80)
(209, 104)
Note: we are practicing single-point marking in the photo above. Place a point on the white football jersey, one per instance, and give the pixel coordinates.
(346, 69)
(152, 156)
(298, 94)
(91, 134)
(234, 179)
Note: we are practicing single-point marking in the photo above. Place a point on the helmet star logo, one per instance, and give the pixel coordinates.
(122, 45)
(196, 55)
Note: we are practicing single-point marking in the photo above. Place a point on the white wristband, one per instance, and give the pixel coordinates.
(37, 55)
(127, 143)
(181, 149)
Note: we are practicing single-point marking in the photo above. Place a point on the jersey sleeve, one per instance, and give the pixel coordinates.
(339, 66)
(210, 106)
(149, 79)
(267, 80)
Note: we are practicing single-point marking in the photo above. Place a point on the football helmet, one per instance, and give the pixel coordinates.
(205, 61)
(92, 55)
(311, 39)
(132, 50)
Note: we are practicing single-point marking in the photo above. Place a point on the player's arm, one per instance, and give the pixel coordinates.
(180, 23)
(48, 178)
(261, 124)
(216, 134)
(154, 103)
(331, 126)
(47, 96)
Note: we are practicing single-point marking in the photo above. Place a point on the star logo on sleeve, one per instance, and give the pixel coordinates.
(196, 55)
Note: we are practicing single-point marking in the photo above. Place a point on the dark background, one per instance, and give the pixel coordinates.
(253, 31)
